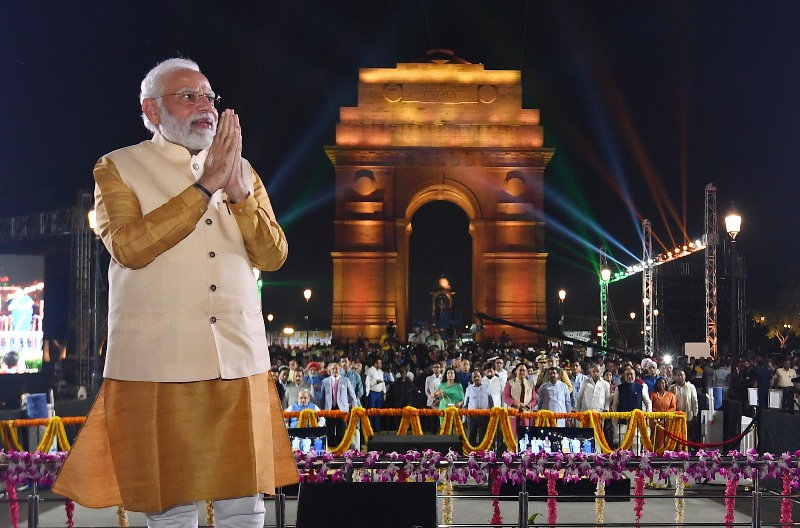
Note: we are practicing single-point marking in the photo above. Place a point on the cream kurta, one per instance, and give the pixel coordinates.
(183, 307)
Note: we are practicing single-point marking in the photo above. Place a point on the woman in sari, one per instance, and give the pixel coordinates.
(663, 401)
(450, 392)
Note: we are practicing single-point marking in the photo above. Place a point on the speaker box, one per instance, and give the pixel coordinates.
(367, 504)
(402, 443)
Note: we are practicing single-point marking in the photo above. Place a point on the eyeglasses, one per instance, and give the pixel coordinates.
(192, 98)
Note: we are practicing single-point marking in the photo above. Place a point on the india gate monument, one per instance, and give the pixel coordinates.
(438, 129)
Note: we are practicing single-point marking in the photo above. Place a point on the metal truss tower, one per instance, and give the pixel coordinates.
(648, 300)
(711, 242)
(81, 309)
(604, 276)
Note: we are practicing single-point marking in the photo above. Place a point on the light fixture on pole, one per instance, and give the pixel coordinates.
(94, 347)
(307, 297)
(733, 225)
(562, 294)
(605, 277)
(288, 331)
(270, 318)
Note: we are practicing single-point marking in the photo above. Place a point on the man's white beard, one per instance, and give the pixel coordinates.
(181, 132)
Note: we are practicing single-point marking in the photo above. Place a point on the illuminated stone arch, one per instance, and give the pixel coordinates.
(425, 132)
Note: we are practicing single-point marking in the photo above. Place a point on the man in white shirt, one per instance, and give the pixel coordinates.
(495, 384)
(554, 395)
(476, 397)
(577, 377)
(500, 370)
(431, 384)
(376, 391)
(686, 394)
(595, 393)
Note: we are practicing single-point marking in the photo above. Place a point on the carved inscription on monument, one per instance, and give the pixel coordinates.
(440, 93)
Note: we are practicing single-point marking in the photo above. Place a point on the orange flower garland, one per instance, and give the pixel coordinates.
(410, 418)
(55, 429)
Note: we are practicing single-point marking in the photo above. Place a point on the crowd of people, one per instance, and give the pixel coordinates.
(433, 373)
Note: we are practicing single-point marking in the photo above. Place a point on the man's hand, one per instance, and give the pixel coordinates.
(235, 188)
(222, 155)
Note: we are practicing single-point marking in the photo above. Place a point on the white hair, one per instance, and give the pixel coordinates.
(152, 82)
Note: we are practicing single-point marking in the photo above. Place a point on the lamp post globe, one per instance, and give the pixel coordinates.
(733, 225)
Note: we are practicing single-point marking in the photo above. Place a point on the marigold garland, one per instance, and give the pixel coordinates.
(307, 418)
(410, 419)
(499, 418)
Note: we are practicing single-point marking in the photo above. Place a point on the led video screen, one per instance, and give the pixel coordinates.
(21, 313)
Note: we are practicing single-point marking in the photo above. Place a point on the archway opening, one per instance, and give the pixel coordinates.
(440, 246)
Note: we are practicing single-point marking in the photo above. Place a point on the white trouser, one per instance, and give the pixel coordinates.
(242, 512)
(636, 447)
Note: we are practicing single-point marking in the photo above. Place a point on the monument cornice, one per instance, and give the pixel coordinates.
(516, 157)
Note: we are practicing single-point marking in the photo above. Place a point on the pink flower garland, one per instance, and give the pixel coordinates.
(786, 502)
(13, 505)
(69, 506)
(497, 517)
(730, 500)
(638, 490)
(552, 503)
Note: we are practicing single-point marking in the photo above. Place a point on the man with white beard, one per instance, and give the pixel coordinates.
(185, 219)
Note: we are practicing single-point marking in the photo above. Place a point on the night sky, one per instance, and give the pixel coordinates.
(644, 102)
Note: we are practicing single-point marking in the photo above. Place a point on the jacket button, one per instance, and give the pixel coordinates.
(196, 166)
(212, 254)
(213, 287)
(208, 221)
(213, 320)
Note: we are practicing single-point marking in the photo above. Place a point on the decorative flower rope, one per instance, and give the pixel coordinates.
(447, 503)
(497, 516)
(499, 418)
(209, 513)
(638, 501)
(122, 517)
(786, 502)
(600, 502)
(552, 502)
(730, 501)
(69, 508)
(680, 502)
(13, 505)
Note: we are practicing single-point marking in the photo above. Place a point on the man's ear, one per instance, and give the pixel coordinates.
(151, 110)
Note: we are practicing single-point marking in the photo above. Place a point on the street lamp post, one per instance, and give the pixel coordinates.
(562, 294)
(733, 224)
(270, 318)
(307, 297)
(94, 347)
